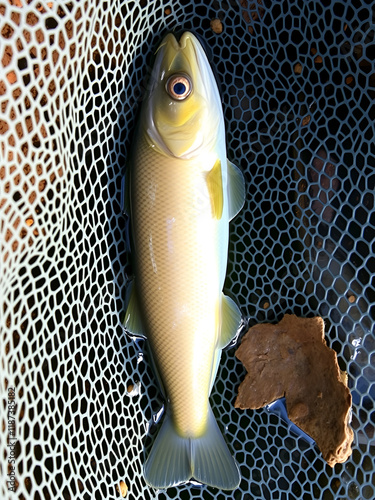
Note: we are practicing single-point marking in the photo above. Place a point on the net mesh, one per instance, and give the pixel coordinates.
(298, 87)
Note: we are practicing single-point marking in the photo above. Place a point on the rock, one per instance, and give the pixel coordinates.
(292, 359)
(216, 26)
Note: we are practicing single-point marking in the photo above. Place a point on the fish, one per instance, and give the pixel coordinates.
(183, 191)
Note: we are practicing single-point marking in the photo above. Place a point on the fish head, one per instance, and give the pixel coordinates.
(182, 111)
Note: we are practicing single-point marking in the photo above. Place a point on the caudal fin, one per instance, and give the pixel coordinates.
(169, 461)
(174, 460)
(213, 463)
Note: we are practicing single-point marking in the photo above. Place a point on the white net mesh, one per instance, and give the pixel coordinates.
(298, 87)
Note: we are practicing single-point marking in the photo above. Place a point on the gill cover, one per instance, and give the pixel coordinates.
(183, 107)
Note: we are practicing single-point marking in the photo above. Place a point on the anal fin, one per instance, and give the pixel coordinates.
(133, 318)
(230, 321)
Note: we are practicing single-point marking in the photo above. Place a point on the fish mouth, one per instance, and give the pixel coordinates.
(180, 54)
(198, 38)
(177, 40)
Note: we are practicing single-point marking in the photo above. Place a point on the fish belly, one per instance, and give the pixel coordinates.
(179, 252)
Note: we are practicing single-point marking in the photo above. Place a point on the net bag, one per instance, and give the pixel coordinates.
(79, 400)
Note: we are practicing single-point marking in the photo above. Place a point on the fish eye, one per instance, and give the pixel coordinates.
(179, 87)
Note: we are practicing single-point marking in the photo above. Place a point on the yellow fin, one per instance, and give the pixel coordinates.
(236, 190)
(215, 189)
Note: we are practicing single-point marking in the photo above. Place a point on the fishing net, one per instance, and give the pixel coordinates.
(79, 400)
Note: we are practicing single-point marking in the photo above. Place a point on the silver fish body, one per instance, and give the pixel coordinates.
(183, 192)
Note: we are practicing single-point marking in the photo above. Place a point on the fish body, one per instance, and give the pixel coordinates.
(183, 193)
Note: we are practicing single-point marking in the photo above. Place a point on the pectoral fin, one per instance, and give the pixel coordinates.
(236, 190)
(215, 189)
(230, 321)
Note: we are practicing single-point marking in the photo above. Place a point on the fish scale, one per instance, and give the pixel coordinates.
(183, 266)
(183, 192)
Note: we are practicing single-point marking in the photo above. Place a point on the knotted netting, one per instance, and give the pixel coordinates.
(79, 398)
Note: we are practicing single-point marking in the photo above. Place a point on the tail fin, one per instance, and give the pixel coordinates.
(168, 463)
(174, 460)
(212, 461)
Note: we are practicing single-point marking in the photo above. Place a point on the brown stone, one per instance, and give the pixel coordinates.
(216, 26)
(292, 359)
